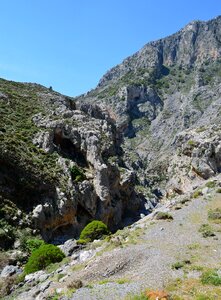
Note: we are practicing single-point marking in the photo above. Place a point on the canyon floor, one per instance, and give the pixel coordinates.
(154, 253)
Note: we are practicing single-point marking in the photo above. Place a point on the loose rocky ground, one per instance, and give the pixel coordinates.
(154, 253)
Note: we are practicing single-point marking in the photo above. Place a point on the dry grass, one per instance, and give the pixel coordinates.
(192, 289)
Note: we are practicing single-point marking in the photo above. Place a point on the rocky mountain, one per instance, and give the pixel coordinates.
(164, 98)
(151, 126)
(148, 136)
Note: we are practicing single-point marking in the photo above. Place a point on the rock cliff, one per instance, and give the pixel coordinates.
(60, 166)
(168, 87)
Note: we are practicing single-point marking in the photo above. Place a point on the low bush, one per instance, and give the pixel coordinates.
(33, 244)
(210, 184)
(211, 277)
(77, 175)
(82, 242)
(181, 264)
(75, 284)
(206, 230)
(214, 214)
(94, 230)
(178, 265)
(136, 297)
(164, 216)
(197, 194)
(42, 257)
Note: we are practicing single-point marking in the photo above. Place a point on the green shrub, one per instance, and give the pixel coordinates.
(83, 242)
(206, 230)
(196, 194)
(28, 242)
(210, 184)
(211, 277)
(42, 257)
(191, 143)
(33, 244)
(136, 297)
(214, 214)
(163, 216)
(203, 297)
(178, 265)
(77, 175)
(94, 230)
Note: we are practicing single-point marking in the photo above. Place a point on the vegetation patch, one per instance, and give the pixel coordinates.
(42, 257)
(211, 277)
(32, 244)
(94, 230)
(180, 264)
(122, 280)
(163, 216)
(210, 184)
(193, 289)
(197, 194)
(206, 230)
(77, 175)
(141, 296)
(214, 214)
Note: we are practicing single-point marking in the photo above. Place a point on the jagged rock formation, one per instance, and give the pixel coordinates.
(168, 86)
(56, 163)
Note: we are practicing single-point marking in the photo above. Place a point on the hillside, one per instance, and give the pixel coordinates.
(55, 173)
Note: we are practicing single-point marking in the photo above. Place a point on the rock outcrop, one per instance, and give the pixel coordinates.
(76, 172)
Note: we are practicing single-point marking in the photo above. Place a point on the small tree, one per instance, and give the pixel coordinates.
(42, 257)
(94, 230)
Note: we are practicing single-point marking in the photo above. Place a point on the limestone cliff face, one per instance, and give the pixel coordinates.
(167, 87)
(191, 46)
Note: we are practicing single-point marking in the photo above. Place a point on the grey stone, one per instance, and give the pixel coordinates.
(34, 276)
(69, 247)
(44, 286)
(10, 270)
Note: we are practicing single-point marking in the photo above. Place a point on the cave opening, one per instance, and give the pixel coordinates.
(68, 150)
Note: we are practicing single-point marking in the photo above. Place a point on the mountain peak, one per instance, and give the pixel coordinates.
(196, 43)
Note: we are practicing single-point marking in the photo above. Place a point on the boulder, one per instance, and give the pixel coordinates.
(10, 270)
(69, 247)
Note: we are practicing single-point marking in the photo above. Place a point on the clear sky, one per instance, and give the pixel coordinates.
(70, 44)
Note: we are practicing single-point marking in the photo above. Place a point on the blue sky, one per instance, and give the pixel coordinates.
(70, 44)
